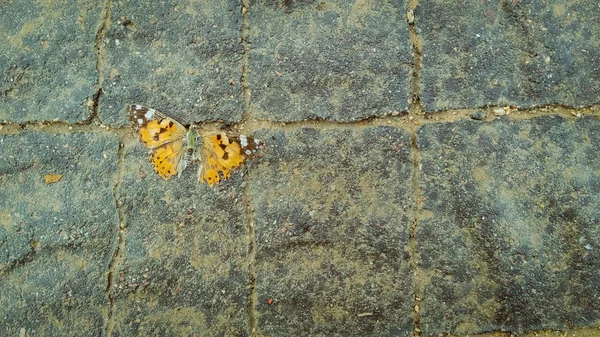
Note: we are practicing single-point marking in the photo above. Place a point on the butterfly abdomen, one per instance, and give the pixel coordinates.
(188, 157)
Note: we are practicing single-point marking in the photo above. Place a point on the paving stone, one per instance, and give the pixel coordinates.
(511, 242)
(184, 59)
(47, 60)
(525, 53)
(56, 239)
(338, 60)
(332, 212)
(184, 265)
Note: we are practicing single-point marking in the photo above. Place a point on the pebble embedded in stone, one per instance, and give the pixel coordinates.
(479, 115)
(499, 112)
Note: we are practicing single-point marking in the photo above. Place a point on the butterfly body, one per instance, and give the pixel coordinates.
(174, 146)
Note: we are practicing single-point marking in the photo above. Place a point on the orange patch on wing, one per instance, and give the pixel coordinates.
(156, 133)
(166, 159)
(220, 154)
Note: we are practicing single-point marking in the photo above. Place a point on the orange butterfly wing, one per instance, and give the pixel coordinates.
(222, 153)
(161, 133)
(154, 128)
(167, 157)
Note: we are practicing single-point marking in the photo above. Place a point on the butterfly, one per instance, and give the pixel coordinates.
(174, 146)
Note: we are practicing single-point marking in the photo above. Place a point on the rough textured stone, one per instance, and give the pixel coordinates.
(56, 239)
(184, 265)
(47, 60)
(183, 59)
(525, 53)
(332, 216)
(339, 60)
(512, 238)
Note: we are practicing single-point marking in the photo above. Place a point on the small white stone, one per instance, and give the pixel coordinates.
(499, 112)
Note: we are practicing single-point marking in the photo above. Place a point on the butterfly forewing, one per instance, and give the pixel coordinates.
(249, 145)
(155, 128)
(221, 153)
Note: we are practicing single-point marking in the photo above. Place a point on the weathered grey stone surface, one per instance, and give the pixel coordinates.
(181, 58)
(56, 240)
(47, 60)
(318, 239)
(184, 265)
(525, 53)
(335, 60)
(512, 240)
(332, 216)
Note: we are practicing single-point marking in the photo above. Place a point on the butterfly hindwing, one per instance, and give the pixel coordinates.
(167, 158)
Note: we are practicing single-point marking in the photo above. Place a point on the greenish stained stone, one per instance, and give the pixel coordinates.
(336, 60)
(56, 239)
(47, 60)
(512, 211)
(524, 53)
(184, 59)
(332, 212)
(183, 269)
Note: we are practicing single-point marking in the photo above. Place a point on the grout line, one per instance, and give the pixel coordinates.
(94, 105)
(100, 56)
(405, 122)
(416, 107)
(252, 294)
(246, 117)
(416, 111)
(245, 31)
(99, 46)
(118, 254)
(412, 242)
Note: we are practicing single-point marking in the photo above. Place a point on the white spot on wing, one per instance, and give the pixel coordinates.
(140, 121)
(248, 152)
(149, 114)
(138, 107)
(243, 140)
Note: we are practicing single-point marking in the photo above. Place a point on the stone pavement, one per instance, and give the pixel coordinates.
(431, 168)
